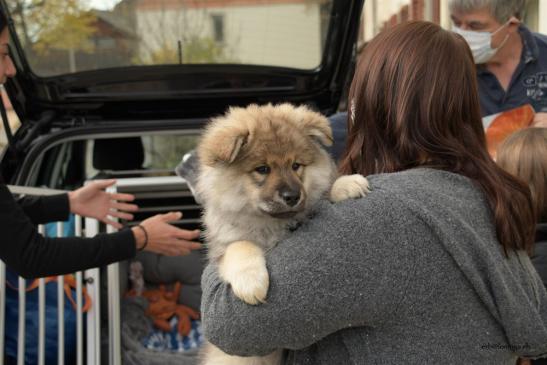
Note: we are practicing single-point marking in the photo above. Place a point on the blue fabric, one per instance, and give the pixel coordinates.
(338, 123)
(31, 320)
(68, 228)
(31, 324)
(172, 341)
(528, 84)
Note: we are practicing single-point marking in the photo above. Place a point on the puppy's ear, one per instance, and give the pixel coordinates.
(317, 126)
(222, 142)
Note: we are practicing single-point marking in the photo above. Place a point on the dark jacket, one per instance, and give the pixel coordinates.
(32, 255)
(528, 81)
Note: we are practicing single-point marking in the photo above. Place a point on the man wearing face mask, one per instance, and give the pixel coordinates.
(511, 60)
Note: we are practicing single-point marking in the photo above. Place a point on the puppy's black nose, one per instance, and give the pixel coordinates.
(291, 197)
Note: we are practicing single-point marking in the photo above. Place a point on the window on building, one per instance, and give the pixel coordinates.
(531, 15)
(218, 27)
(105, 42)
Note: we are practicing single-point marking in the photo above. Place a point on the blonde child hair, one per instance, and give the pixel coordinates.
(524, 155)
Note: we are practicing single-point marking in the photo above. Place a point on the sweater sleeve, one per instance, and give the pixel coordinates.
(31, 255)
(44, 209)
(344, 268)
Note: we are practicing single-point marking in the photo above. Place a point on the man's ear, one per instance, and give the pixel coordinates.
(514, 24)
(316, 126)
(222, 142)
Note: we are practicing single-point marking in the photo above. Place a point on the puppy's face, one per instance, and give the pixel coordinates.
(269, 154)
(274, 171)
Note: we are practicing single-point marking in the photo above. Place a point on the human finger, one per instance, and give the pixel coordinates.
(183, 252)
(191, 245)
(125, 207)
(122, 197)
(103, 184)
(175, 251)
(171, 216)
(540, 123)
(122, 215)
(111, 222)
(187, 235)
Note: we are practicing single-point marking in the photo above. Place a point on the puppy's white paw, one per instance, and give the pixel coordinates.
(251, 284)
(244, 267)
(349, 186)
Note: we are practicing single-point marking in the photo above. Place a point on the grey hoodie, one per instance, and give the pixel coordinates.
(411, 274)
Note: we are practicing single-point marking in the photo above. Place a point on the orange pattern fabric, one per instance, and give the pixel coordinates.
(505, 124)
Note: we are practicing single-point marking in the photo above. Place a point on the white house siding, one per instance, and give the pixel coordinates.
(376, 12)
(276, 34)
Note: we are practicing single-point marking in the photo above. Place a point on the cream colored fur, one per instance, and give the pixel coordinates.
(238, 232)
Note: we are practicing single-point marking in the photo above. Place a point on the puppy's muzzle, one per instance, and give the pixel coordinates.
(291, 197)
(286, 203)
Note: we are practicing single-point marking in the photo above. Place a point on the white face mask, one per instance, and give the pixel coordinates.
(480, 43)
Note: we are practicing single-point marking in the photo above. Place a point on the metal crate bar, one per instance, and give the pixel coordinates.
(41, 315)
(114, 318)
(60, 309)
(92, 280)
(79, 304)
(21, 327)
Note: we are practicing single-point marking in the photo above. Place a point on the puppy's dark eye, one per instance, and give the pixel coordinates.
(263, 170)
(296, 166)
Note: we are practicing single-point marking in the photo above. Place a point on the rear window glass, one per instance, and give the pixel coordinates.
(60, 37)
(155, 154)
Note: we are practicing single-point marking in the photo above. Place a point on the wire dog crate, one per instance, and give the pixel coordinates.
(153, 195)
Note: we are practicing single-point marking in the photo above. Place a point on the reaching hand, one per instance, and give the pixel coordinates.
(540, 120)
(164, 238)
(92, 201)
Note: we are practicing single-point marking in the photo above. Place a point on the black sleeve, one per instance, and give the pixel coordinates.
(44, 209)
(31, 255)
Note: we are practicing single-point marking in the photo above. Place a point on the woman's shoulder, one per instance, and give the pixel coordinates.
(419, 178)
(409, 197)
(427, 186)
(413, 196)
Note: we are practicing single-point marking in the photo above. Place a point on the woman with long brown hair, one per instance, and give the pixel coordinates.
(431, 266)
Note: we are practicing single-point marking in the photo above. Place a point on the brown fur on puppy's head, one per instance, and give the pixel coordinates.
(271, 155)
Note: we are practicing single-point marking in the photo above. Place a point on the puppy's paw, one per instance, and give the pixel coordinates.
(349, 186)
(244, 267)
(251, 283)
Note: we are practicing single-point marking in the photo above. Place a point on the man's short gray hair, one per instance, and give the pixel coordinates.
(501, 10)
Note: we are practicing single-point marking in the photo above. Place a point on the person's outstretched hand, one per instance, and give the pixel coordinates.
(540, 120)
(164, 238)
(92, 201)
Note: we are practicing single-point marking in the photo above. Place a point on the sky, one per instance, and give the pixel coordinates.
(103, 4)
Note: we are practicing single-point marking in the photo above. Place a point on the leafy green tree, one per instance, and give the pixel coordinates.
(45, 25)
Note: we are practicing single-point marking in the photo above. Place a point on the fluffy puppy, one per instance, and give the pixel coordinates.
(262, 171)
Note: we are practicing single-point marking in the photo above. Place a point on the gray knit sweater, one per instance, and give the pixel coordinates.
(411, 274)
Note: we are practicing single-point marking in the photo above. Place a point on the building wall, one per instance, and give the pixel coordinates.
(282, 34)
(379, 14)
(542, 14)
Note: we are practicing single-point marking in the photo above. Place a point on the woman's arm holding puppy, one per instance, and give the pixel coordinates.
(338, 270)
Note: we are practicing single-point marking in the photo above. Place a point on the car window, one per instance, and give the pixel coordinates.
(60, 37)
(152, 154)
(69, 164)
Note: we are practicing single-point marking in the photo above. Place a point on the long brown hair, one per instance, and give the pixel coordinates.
(414, 102)
(524, 154)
